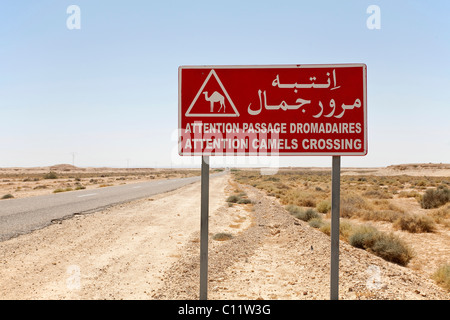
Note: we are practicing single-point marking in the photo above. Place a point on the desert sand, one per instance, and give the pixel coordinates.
(149, 249)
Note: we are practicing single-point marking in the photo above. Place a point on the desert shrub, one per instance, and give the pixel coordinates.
(221, 236)
(442, 214)
(282, 185)
(240, 198)
(442, 276)
(421, 183)
(233, 198)
(309, 203)
(409, 194)
(51, 175)
(311, 214)
(415, 223)
(316, 223)
(387, 246)
(8, 196)
(363, 236)
(352, 206)
(382, 215)
(241, 194)
(324, 206)
(300, 198)
(434, 198)
(377, 194)
(345, 229)
(292, 208)
(384, 204)
(391, 248)
(326, 228)
(307, 214)
(59, 190)
(300, 213)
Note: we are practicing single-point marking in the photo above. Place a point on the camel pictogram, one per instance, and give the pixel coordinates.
(195, 110)
(215, 97)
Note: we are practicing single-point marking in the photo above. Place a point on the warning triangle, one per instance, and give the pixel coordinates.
(212, 100)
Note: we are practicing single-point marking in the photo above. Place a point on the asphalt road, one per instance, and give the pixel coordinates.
(20, 216)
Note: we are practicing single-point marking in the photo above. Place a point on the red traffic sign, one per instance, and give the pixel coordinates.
(273, 110)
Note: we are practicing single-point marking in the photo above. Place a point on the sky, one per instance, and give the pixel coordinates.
(106, 94)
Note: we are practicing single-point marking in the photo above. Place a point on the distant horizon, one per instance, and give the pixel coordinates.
(214, 167)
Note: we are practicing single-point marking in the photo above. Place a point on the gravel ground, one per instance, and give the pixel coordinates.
(280, 257)
(149, 249)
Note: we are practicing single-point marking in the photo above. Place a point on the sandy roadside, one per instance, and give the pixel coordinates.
(118, 253)
(280, 257)
(149, 249)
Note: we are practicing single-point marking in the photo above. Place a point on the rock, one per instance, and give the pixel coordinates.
(275, 232)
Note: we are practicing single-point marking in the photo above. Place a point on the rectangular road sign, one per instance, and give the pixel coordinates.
(273, 110)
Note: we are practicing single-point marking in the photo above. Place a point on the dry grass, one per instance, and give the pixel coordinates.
(222, 236)
(301, 213)
(391, 248)
(324, 206)
(354, 206)
(366, 198)
(385, 245)
(59, 190)
(239, 198)
(442, 276)
(434, 198)
(442, 215)
(415, 223)
(410, 194)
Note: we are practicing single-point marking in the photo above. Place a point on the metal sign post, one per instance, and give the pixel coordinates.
(335, 207)
(204, 229)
